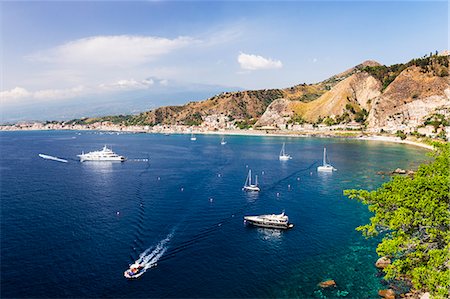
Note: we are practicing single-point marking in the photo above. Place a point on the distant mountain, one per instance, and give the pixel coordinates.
(378, 96)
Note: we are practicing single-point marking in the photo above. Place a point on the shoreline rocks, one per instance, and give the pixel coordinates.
(383, 262)
(388, 294)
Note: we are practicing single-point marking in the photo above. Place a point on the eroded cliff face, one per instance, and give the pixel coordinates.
(390, 98)
(276, 115)
(358, 90)
(409, 100)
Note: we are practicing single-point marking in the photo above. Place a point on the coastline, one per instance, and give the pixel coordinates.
(356, 135)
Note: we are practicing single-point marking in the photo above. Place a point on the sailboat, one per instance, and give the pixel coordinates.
(223, 142)
(283, 156)
(325, 166)
(193, 138)
(248, 186)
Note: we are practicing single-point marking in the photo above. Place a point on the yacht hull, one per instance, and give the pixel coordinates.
(94, 159)
(326, 168)
(255, 222)
(251, 188)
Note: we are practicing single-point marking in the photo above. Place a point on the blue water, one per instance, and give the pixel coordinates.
(71, 229)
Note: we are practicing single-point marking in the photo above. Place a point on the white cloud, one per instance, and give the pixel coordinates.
(15, 93)
(113, 50)
(22, 95)
(255, 62)
(128, 84)
(59, 94)
(314, 60)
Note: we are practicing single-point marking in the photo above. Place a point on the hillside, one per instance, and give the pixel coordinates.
(388, 98)
(376, 96)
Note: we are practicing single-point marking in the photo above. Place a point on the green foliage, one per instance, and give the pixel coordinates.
(361, 116)
(308, 97)
(438, 65)
(343, 118)
(412, 214)
(350, 108)
(329, 121)
(401, 135)
(437, 120)
(245, 124)
(194, 119)
(296, 119)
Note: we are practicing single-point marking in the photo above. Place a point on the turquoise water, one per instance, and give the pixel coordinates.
(71, 229)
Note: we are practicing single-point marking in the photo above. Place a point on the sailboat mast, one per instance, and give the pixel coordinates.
(256, 180)
(324, 156)
(249, 177)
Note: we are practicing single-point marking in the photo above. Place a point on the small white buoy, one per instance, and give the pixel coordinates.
(298, 179)
(278, 194)
(182, 189)
(211, 200)
(289, 186)
(310, 173)
(159, 178)
(246, 166)
(117, 213)
(262, 172)
(218, 175)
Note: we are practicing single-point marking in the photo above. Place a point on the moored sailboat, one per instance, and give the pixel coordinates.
(283, 156)
(248, 186)
(326, 167)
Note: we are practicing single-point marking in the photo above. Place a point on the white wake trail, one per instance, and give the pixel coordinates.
(151, 255)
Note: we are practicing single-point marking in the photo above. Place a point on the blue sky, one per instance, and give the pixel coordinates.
(147, 54)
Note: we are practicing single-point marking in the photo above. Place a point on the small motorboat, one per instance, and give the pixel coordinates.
(134, 271)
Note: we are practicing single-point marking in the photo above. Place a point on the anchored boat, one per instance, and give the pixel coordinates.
(283, 156)
(326, 167)
(248, 186)
(105, 154)
(280, 221)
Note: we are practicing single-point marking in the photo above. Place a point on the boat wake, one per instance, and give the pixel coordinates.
(149, 258)
(53, 158)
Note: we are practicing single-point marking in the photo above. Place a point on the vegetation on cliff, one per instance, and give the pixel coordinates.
(438, 65)
(412, 214)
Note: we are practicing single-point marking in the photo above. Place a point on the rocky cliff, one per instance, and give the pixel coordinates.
(379, 97)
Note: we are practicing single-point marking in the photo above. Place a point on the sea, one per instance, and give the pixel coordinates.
(70, 230)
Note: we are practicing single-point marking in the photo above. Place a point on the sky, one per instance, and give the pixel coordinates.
(71, 59)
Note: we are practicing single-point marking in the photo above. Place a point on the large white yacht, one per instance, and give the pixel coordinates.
(280, 221)
(105, 154)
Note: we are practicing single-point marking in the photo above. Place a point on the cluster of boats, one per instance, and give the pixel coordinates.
(275, 221)
(278, 221)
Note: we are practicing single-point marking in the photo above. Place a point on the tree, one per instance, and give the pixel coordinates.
(412, 214)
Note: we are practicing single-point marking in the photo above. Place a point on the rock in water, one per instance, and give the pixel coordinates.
(382, 262)
(388, 294)
(399, 171)
(327, 283)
